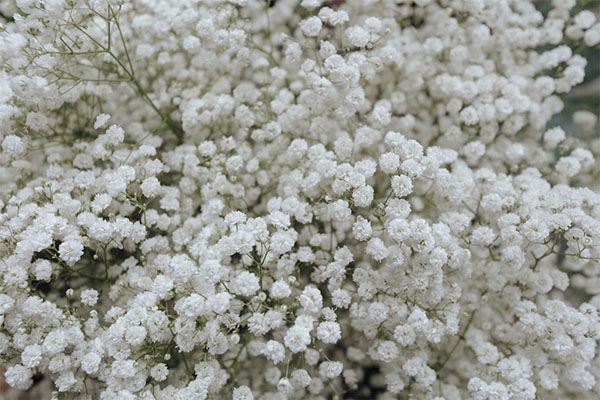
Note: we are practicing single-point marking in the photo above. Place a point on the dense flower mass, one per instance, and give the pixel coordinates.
(297, 199)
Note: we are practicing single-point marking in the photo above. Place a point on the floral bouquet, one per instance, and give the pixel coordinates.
(299, 199)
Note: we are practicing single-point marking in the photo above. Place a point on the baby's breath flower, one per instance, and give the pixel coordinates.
(325, 199)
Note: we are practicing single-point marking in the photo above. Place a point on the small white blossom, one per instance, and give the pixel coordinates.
(242, 393)
(89, 297)
(297, 338)
(19, 377)
(311, 26)
(159, 372)
(280, 290)
(245, 284)
(274, 351)
(328, 332)
(13, 145)
(101, 121)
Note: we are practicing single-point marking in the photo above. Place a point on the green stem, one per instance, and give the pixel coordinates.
(460, 339)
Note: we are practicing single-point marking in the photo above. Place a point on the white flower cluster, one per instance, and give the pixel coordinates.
(297, 199)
